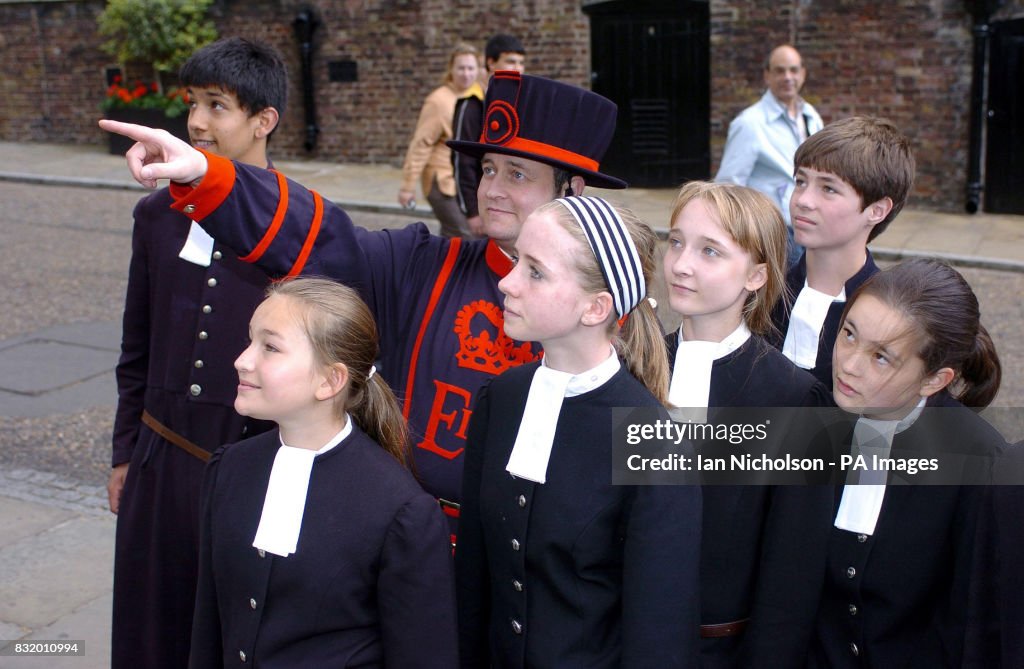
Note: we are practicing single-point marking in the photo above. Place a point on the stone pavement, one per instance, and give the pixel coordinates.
(56, 552)
(56, 535)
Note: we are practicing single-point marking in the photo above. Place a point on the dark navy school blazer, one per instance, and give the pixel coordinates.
(795, 279)
(575, 572)
(370, 583)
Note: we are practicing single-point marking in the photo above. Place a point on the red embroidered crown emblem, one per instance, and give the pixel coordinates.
(483, 345)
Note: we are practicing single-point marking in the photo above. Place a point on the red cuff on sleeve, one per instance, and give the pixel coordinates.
(199, 202)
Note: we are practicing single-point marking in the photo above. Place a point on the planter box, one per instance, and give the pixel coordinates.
(154, 118)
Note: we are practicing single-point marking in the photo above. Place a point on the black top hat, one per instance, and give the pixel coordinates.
(547, 121)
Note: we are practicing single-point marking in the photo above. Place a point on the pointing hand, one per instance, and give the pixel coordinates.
(157, 154)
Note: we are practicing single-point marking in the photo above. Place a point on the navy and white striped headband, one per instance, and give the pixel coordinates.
(613, 247)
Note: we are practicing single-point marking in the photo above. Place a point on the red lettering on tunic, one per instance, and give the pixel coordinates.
(437, 416)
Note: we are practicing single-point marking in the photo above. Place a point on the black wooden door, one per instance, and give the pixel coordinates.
(1004, 163)
(651, 57)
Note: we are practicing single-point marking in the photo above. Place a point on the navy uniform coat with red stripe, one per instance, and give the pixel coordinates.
(436, 301)
(183, 327)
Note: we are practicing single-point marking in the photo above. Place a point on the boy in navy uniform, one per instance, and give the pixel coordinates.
(852, 179)
(187, 308)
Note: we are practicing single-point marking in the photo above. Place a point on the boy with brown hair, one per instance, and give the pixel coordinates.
(852, 179)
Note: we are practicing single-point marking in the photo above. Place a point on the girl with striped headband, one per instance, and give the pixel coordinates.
(555, 565)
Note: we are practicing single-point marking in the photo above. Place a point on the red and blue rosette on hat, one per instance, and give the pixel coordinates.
(548, 121)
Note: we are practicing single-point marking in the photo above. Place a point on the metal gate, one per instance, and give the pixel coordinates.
(652, 59)
(1004, 151)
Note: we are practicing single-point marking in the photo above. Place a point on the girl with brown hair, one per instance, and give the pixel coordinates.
(317, 546)
(911, 365)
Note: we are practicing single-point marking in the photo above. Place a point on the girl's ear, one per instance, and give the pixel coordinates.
(937, 381)
(601, 306)
(757, 277)
(333, 381)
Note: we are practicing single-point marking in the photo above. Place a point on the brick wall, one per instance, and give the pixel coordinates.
(52, 82)
(909, 60)
(401, 50)
(54, 69)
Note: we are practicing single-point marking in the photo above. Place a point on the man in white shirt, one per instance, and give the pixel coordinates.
(764, 137)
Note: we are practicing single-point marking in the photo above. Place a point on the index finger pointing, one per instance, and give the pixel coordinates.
(139, 133)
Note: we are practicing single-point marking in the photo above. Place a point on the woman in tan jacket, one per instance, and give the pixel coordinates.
(428, 158)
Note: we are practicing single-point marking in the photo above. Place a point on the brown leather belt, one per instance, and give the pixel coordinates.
(724, 629)
(173, 437)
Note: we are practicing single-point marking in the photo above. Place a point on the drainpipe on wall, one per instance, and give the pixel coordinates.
(981, 32)
(305, 25)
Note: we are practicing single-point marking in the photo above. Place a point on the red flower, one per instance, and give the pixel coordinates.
(145, 95)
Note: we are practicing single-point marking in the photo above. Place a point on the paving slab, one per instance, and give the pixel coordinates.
(98, 391)
(47, 575)
(39, 366)
(105, 335)
(20, 520)
(60, 369)
(89, 624)
(10, 632)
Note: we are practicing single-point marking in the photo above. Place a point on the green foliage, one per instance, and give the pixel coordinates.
(162, 33)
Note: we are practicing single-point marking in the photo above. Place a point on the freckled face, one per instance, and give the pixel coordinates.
(543, 298)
